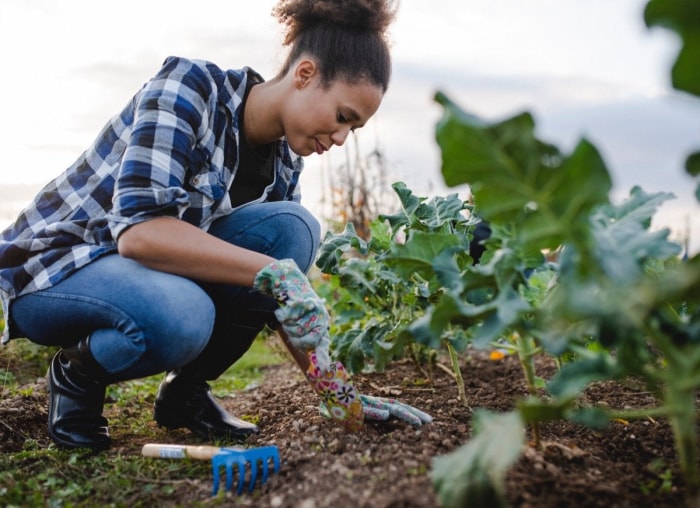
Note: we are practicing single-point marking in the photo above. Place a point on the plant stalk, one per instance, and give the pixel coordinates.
(526, 352)
(454, 358)
(682, 415)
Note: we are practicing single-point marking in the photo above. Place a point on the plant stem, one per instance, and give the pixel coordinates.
(526, 352)
(454, 358)
(681, 414)
(679, 396)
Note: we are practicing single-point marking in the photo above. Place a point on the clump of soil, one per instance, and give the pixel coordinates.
(388, 463)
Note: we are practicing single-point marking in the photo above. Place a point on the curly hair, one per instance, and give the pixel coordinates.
(347, 38)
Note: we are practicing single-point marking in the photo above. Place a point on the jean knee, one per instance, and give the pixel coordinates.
(300, 236)
(279, 229)
(184, 334)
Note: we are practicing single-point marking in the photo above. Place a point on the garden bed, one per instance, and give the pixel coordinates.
(388, 464)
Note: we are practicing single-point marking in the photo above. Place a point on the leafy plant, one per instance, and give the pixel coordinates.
(380, 286)
(617, 282)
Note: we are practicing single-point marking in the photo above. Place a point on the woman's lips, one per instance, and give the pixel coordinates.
(320, 147)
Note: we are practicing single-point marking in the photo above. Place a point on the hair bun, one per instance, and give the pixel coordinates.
(358, 15)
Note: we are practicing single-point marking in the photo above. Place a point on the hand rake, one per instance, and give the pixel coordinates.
(247, 461)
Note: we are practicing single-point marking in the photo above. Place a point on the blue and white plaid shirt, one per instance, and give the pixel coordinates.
(172, 151)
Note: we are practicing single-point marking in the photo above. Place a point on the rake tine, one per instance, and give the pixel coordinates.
(229, 474)
(215, 475)
(265, 466)
(241, 475)
(254, 475)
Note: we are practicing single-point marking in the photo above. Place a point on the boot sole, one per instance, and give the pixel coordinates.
(171, 422)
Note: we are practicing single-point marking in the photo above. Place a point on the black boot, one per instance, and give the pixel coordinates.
(186, 401)
(76, 384)
(184, 398)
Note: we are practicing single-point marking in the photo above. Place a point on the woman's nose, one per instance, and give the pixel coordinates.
(339, 136)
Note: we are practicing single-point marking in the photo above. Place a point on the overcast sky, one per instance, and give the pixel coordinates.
(582, 67)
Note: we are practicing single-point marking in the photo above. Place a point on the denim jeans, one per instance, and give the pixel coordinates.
(142, 321)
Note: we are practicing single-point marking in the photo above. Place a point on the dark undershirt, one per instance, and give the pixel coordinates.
(255, 167)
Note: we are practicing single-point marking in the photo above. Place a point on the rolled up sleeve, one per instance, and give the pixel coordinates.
(170, 115)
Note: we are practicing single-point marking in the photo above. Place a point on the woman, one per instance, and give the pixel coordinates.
(157, 250)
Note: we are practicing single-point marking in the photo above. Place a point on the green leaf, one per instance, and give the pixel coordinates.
(683, 17)
(409, 204)
(593, 417)
(435, 214)
(448, 272)
(574, 377)
(474, 474)
(356, 346)
(334, 246)
(381, 236)
(692, 167)
(623, 241)
(533, 410)
(519, 180)
(417, 254)
(692, 164)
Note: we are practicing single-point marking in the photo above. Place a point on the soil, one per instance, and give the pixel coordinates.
(388, 464)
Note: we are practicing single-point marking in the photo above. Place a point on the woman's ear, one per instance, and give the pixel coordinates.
(304, 71)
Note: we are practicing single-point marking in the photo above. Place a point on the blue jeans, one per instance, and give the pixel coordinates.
(142, 321)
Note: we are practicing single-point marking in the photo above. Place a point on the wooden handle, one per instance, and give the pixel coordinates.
(301, 358)
(174, 451)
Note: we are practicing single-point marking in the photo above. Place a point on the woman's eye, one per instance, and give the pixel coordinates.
(341, 117)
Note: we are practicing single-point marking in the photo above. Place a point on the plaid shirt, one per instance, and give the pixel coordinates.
(172, 151)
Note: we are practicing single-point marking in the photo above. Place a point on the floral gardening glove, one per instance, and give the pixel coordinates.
(339, 399)
(341, 402)
(380, 408)
(302, 313)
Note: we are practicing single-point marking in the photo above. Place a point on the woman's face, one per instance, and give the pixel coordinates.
(319, 117)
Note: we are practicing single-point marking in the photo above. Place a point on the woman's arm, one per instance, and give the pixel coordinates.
(175, 246)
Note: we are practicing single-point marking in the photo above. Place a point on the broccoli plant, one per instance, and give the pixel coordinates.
(618, 283)
(381, 286)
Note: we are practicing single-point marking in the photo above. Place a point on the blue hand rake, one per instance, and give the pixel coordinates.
(247, 461)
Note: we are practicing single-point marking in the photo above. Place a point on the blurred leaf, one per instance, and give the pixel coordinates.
(683, 17)
(623, 241)
(593, 417)
(692, 167)
(518, 179)
(474, 474)
(574, 377)
(692, 164)
(534, 410)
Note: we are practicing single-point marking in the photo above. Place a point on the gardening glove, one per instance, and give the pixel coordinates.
(301, 313)
(380, 408)
(339, 399)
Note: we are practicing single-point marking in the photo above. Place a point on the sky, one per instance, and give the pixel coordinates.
(583, 68)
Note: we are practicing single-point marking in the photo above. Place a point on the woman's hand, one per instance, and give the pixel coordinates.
(339, 399)
(302, 313)
(380, 408)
